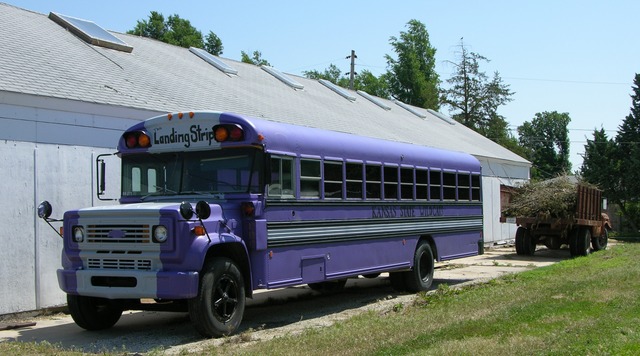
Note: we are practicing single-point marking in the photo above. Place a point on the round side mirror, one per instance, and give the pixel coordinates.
(44, 210)
(186, 210)
(203, 210)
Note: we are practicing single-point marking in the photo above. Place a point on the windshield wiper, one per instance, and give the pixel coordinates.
(158, 190)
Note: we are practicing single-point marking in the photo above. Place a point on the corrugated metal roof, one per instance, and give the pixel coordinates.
(40, 57)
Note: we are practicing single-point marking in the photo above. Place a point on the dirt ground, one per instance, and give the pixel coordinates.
(269, 314)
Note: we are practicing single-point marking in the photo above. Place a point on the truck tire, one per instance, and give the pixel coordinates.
(580, 241)
(93, 313)
(600, 242)
(218, 308)
(525, 243)
(420, 277)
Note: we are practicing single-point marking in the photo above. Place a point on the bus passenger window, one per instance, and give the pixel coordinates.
(449, 186)
(464, 186)
(309, 178)
(422, 184)
(475, 187)
(435, 185)
(354, 181)
(391, 182)
(281, 178)
(333, 180)
(406, 183)
(374, 179)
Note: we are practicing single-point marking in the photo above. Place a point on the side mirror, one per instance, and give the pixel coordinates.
(44, 210)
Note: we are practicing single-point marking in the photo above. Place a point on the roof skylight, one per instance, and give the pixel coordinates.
(374, 99)
(410, 109)
(213, 60)
(90, 32)
(342, 92)
(442, 117)
(282, 77)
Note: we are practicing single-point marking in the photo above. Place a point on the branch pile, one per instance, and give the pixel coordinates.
(555, 198)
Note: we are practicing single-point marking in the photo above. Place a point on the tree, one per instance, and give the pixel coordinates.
(176, 31)
(475, 98)
(628, 153)
(364, 80)
(546, 141)
(182, 34)
(331, 73)
(412, 77)
(154, 28)
(213, 44)
(255, 59)
(600, 164)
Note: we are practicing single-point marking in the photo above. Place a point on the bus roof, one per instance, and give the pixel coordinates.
(195, 131)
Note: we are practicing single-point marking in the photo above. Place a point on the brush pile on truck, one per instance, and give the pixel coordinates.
(558, 212)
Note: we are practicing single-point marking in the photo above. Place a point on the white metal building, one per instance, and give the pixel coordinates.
(64, 100)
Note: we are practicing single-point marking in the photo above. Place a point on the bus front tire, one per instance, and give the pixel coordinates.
(218, 308)
(93, 313)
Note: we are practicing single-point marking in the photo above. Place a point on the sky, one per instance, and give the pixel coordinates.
(573, 56)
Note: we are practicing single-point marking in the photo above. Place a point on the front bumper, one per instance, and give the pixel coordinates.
(116, 284)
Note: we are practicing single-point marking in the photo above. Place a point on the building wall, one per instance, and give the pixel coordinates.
(47, 152)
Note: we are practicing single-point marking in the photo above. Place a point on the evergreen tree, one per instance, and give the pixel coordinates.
(628, 153)
(600, 165)
(475, 98)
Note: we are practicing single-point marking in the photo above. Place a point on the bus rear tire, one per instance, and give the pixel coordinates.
(218, 308)
(93, 313)
(420, 277)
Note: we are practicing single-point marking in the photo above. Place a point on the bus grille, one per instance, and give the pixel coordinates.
(117, 263)
(119, 234)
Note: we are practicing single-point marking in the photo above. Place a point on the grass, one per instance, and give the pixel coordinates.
(586, 305)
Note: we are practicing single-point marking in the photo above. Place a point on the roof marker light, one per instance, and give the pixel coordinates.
(228, 132)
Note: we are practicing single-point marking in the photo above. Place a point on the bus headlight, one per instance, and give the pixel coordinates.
(78, 233)
(160, 233)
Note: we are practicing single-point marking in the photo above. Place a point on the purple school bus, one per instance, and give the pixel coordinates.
(217, 205)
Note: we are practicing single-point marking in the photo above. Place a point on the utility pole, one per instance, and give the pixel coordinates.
(352, 73)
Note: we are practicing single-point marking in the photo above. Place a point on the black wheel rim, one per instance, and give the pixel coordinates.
(225, 298)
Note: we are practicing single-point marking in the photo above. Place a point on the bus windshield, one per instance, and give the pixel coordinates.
(202, 172)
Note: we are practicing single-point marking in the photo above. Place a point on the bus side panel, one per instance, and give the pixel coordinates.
(308, 264)
(457, 245)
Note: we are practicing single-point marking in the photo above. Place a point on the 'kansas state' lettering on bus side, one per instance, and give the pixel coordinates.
(387, 212)
(195, 134)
